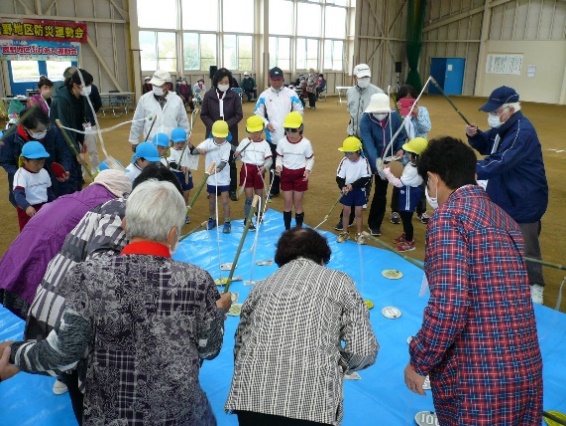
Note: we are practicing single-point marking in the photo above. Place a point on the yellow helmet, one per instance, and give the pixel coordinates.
(416, 145)
(220, 129)
(293, 120)
(351, 144)
(254, 124)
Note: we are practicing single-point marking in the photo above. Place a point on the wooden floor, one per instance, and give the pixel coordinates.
(326, 128)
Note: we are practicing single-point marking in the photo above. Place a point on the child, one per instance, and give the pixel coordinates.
(146, 154)
(161, 142)
(256, 156)
(352, 176)
(218, 150)
(294, 162)
(32, 184)
(410, 187)
(178, 138)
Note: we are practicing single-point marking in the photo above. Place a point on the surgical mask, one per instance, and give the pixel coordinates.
(223, 87)
(493, 121)
(380, 115)
(363, 83)
(39, 135)
(86, 91)
(158, 91)
(432, 201)
(246, 76)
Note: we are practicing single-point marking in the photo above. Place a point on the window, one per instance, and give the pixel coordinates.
(340, 2)
(307, 53)
(280, 52)
(163, 16)
(200, 16)
(158, 51)
(238, 16)
(55, 69)
(238, 52)
(308, 20)
(335, 22)
(333, 53)
(281, 17)
(199, 51)
(25, 71)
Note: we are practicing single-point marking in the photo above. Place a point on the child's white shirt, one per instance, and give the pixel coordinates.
(217, 153)
(34, 184)
(295, 155)
(254, 152)
(351, 171)
(133, 171)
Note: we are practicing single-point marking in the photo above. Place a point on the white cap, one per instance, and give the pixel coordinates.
(246, 73)
(362, 70)
(160, 77)
(379, 102)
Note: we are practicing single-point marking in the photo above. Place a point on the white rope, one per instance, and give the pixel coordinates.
(108, 129)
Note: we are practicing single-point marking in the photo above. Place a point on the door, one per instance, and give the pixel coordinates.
(454, 77)
(438, 72)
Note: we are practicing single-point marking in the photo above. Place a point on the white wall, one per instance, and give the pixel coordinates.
(548, 84)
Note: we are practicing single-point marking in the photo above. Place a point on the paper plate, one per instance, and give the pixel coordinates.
(426, 418)
(224, 281)
(227, 266)
(352, 376)
(409, 339)
(234, 296)
(391, 312)
(368, 303)
(249, 282)
(392, 274)
(267, 262)
(426, 384)
(235, 309)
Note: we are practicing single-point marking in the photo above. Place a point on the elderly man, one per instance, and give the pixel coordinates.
(162, 109)
(140, 314)
(478, 340)
(272, 106)
(358, 99)
(249, 87)
(290, 339)
(514, 172)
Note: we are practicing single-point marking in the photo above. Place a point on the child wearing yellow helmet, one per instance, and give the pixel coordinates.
(294, 162)
(410, 190)
(352, 176)
(255, 153)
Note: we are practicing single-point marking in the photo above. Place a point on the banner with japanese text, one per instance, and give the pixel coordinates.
(38, 50)
(39, 29)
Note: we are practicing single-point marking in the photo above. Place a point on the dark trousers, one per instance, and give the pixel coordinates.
(72, 381)
(407, 219)
(233, 173)
(312, 99)
(251, 94)
(421, 206)
(378, 203)
(250, 418)
(275, 186)
(531, 232)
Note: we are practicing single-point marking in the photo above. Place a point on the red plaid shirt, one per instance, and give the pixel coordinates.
(478, 339)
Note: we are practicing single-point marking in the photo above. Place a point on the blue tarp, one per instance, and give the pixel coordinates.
(379, 398)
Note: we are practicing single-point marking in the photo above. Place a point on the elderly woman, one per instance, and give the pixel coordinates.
(292, 326)
(140, 313)
(221, 103)
(24, 263)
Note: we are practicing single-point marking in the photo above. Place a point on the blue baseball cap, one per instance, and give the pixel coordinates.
(179, 135)
(161, 139)
(34, 150)
(500, 96)
(148, 151)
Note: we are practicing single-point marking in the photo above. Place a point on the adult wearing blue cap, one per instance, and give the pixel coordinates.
(513, 172)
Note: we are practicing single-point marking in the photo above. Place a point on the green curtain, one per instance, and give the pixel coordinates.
(415, 23)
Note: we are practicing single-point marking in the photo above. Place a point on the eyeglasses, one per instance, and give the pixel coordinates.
(291, 130)
(498, 112)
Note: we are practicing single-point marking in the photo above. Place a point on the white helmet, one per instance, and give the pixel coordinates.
(379, 103)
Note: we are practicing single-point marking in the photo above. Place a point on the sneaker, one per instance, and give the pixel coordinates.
(406, 246)
(227, 227)
(376, 232)
(187, 220)
(59, 388)
(251, 227)
(343, 237)
(340, 227)
(360, 238)
(395, 218)
(401, 239)
(211, 224)
(424, 218)
(537, 292)
(233, 195)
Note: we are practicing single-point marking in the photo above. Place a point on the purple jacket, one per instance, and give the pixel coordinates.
(22, 267)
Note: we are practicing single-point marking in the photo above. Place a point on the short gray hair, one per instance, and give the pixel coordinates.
(152, 209)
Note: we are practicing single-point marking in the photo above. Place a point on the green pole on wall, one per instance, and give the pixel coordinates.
(415, 23)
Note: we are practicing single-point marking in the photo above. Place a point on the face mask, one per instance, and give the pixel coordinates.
(86, 91)
(363, 83)
(380, 115)
(432, 201)
(223, 87)
(246, 76)
(493, 121)
(38, 136)
(158, 91)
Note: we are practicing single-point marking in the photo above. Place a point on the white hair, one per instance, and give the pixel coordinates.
(515, 105)
(152, 209)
